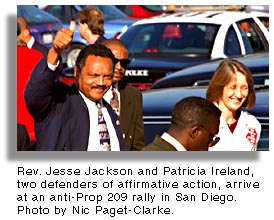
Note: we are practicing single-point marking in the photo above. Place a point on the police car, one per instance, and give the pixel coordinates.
(161, 45)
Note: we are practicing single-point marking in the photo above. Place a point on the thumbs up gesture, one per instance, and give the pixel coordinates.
(72, 26)
(64, 38)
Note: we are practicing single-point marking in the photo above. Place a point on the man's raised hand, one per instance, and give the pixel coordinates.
(64, 38)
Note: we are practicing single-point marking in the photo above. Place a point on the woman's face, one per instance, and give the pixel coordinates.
(234, 93)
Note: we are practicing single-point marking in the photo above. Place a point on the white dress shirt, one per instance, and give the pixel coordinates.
(94, 142)
(31, 42)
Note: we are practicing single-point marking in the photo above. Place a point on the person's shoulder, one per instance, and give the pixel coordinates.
(128, 88)
(134, 90)
(28, 52)
(39, 47)
(159, 144)
(151, 147)
(247, 115)
(100, 39)
(27, 58)
(250, 119)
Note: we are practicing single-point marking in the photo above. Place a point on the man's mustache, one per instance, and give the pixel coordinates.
(119, 72)
(98, 87)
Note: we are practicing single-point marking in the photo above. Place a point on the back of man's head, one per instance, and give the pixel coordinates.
(194, 123)
(22, 22)
(94, 19)
(191, 111)
(23, 31)
(18, 28)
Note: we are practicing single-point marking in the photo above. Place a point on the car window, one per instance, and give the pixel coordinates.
(265, 21)
(140, 41)
(153, 8)
(251, 33)
(231, 44)
(183, 38)
(58, 11)
(74, 13)
(34, 15)
(126, 9)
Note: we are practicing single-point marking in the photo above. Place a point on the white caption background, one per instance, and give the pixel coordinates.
(104, 200)
(250, 204)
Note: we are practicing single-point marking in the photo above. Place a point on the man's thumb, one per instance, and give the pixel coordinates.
(72, 26)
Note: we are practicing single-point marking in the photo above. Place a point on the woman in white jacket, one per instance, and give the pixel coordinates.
(231, 88)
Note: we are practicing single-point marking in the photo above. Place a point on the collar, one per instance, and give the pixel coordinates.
(31, 42)
(115, 86)
(167, 137)
(88, 100)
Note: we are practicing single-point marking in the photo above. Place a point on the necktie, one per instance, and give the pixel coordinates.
(114, 101)
(103, 131)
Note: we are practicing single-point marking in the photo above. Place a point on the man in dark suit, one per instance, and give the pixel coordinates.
(66, 116)
(130, 102)
(194, 125)
(23, 33)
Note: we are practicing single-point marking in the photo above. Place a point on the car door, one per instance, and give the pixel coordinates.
(254, 39)
(265, 21)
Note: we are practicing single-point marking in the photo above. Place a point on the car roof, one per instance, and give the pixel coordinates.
(257, 63)
(250, 60)
(214, 17)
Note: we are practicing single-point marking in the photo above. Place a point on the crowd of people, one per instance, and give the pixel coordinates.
(100, 112)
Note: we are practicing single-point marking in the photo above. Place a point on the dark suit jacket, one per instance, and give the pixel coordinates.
(60, 114)
(100, 40)
(37, 46)
(159, 144)
(131, 117)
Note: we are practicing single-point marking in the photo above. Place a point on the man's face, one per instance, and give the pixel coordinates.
(82, 30)
(200, 137)
(121, 54)
(95, 77)
(207, 135)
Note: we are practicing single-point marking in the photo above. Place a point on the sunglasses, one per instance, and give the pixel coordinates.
(215, 138)
(123, 62)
